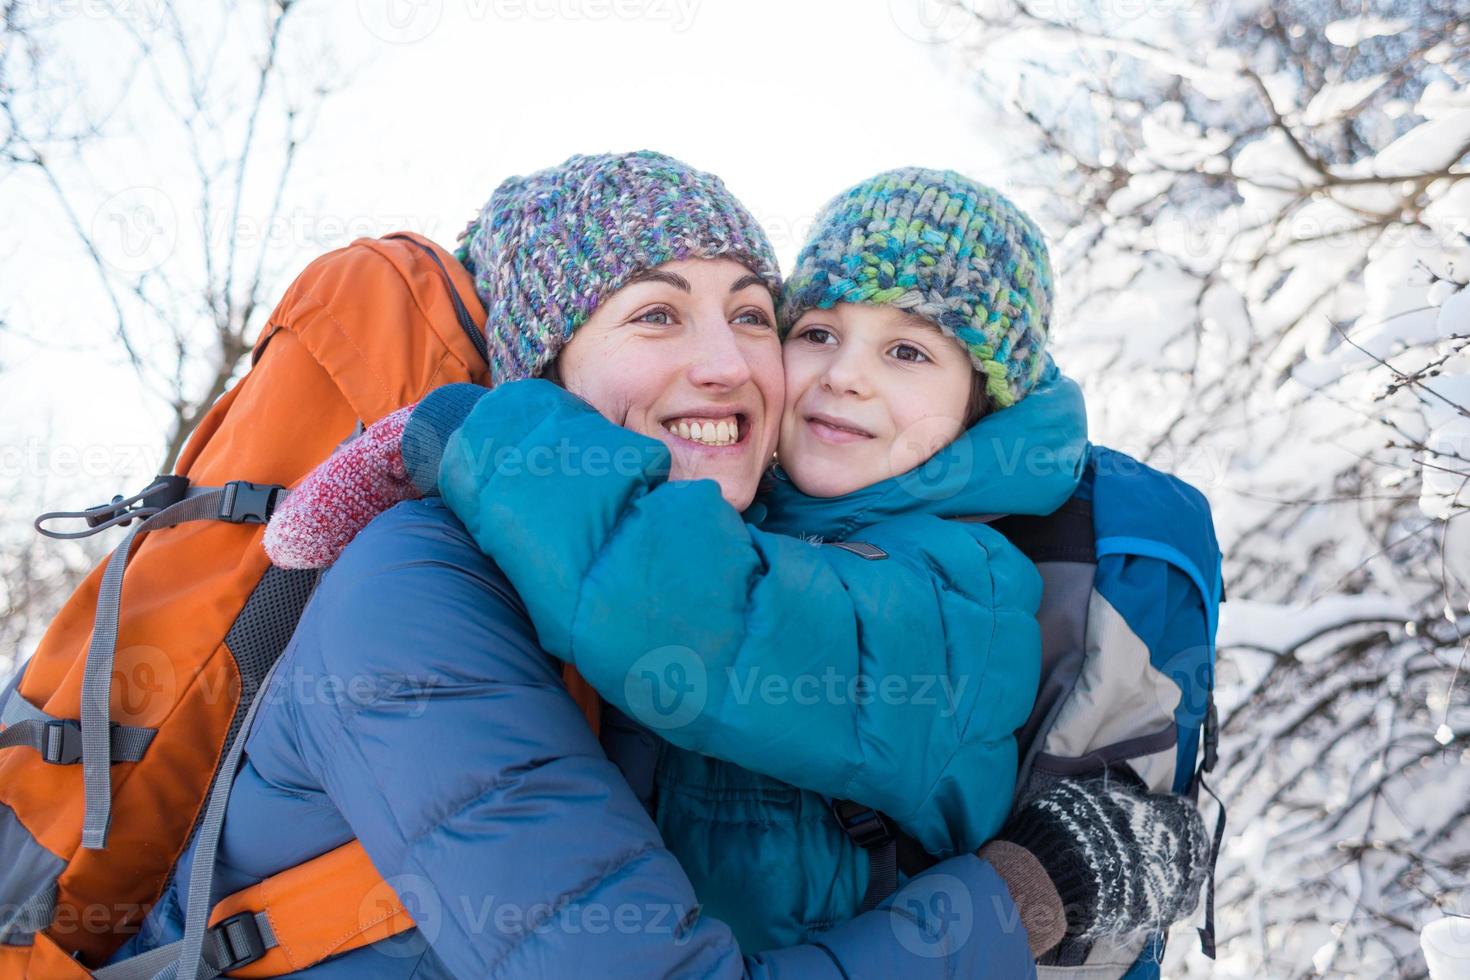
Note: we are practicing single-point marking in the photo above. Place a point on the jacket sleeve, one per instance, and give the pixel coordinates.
(444, 737)
(895, 682)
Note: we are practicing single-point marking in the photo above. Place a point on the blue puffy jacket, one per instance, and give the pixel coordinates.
(415, 712)
(892, 672)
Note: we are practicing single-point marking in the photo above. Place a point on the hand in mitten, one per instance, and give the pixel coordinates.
(396, 459)
(1118, 860)
(337, 499)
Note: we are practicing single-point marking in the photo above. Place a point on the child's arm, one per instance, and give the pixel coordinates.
(893, 681)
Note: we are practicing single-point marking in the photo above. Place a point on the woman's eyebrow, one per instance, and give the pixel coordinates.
(671, 278)
(743, 281)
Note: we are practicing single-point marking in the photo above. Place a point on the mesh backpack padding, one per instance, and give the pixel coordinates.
(361, 332)
(261, 632)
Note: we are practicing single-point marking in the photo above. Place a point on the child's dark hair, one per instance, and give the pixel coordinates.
(978, 406)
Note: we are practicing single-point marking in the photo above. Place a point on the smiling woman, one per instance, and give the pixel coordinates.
(687, 354)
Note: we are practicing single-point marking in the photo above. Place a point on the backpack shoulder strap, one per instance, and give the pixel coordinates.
(291, 921)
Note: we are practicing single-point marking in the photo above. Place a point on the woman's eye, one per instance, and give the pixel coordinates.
(754, 318)
(908, 352)
(658, 316)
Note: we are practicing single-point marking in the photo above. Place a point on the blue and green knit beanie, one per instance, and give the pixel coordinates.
(548, 248)
(937, 244)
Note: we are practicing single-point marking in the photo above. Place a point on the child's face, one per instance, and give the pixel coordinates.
(871, 392)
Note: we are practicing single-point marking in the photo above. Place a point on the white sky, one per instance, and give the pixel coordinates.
(788, 101)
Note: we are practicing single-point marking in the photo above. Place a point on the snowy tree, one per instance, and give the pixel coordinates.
(1260, 218)
(152, 146)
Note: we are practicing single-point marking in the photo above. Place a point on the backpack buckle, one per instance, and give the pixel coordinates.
(163, 492)
(863, 824)
(61, 742)
(248, 503)
(236, 941)
(1212, 737)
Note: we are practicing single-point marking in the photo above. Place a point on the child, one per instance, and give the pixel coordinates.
(890, 667)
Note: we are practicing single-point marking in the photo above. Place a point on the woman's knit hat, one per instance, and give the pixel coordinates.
(937, 244)
(550, 247)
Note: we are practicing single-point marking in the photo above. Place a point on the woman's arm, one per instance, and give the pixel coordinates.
(894, 677)
(466, 771)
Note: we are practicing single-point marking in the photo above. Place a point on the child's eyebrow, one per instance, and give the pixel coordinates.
(912, 321)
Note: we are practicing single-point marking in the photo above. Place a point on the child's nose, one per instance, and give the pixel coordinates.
(847, 374)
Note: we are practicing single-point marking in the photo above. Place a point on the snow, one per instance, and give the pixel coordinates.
(1334, 101)
(1454, 311)
(1446, 945)
(1279, 628)
(1348, 32)
(1428, 147)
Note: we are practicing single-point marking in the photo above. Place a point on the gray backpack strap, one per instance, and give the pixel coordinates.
(32, 916)
(237, 941)
(167, 502)
(191, 964)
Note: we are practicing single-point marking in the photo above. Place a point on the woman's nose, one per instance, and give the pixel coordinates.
(718, 359)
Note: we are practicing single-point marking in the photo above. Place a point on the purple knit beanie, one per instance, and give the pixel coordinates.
(548, 248)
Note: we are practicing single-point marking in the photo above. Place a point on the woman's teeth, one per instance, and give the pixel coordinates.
(719, 432)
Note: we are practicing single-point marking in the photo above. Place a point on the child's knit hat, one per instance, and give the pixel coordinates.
(937, 244)
(550, 247)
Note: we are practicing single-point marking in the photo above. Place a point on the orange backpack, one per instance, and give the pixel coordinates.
(114, 732)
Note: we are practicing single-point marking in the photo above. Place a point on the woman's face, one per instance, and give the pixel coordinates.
(688, 354)
(871, 393)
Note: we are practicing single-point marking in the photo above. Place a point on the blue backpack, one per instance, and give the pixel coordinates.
(1131, 576)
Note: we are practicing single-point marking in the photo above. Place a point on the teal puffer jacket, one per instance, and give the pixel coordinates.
(889, 666)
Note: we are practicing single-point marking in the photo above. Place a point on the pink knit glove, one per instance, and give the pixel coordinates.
(338, 498)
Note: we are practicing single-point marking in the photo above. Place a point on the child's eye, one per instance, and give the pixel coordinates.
(818, 335)
(910, 353)
(754, 318)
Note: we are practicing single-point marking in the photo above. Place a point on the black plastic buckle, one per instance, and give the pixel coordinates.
(863, 824)
(1212, 738)
(248, 503)
(173, 489)
(61, 742)
(237, 942)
